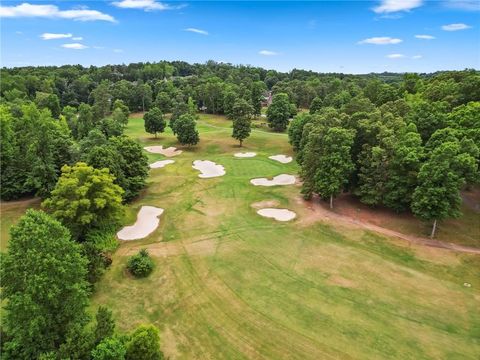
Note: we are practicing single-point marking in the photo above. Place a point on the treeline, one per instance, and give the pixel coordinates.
(415, 152)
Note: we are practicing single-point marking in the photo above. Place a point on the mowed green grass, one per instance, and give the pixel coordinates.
(229, 284)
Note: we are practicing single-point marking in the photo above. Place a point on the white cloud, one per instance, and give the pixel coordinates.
(52, 11)
(75, 46)
(197, 31)
(267, 53)
(455, 27)
(381, 40)
(395, 56)
(51, 36)
(425, 37)
(77, 38)
(467, 5)
(118, 51)
(390, 6)
(415, 57)
(147, 5)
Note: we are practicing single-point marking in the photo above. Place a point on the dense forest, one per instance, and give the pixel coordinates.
(409, 142)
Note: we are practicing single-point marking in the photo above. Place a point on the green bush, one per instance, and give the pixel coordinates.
(140, 265)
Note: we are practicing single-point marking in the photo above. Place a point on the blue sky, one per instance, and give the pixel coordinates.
(325, 36)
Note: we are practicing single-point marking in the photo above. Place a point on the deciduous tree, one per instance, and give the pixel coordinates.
(154, 121)
(43, 280)
(241, 114)
(185, 128)
(85, 198)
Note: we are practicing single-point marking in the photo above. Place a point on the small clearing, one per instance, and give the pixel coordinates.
(245, 155)
(160, 164)
(208, 169)
(168, 152)
(284, 159)
(277, 214)
(147, 222)
(282, 179)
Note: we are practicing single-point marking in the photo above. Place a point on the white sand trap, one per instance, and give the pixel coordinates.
(282, 179)
(281, 158)
(245, 155)
(277, 214)
(208, 168)
(160, 164)
(147, 222)
(168, 152)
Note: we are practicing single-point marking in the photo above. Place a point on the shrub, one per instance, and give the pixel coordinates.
(140, 265)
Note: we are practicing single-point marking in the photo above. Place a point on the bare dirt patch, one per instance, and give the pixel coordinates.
(283, 179)
(264, 204)
(160, 164)
(147, 222)
(208, 168)
(341, 281)
(168, 152)
(317, 211)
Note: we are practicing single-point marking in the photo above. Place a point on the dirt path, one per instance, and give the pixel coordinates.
(318, 212)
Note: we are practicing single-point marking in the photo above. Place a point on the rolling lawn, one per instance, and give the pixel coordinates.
(230, 284)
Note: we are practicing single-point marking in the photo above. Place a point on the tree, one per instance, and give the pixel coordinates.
(241, 113)
(258, 89)
(335, 165)
(437, 195)
(163, 101)
(428, 117)
(111, 348)
(43, 279)
(278, 112)
(134, 165)
(118, 115)
(144, 344)
(101, 100)
(70, 114)
(154, 121)
(85, 198)
(179, 108)
(119, 104)
(403, 169)
(9, 176)
(316, 105)
(295, 129)
(185, 128)
(48, 101)
(85, 120)
(105, 325)
(229, 99)
(110, 127)
(328, 162)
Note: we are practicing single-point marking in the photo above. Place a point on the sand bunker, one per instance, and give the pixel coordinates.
(245, 155)
(282, 179)
(281, 158)
(208, 168)
(277, 214)
(147, 222)
(168, 152)
(161, 164)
